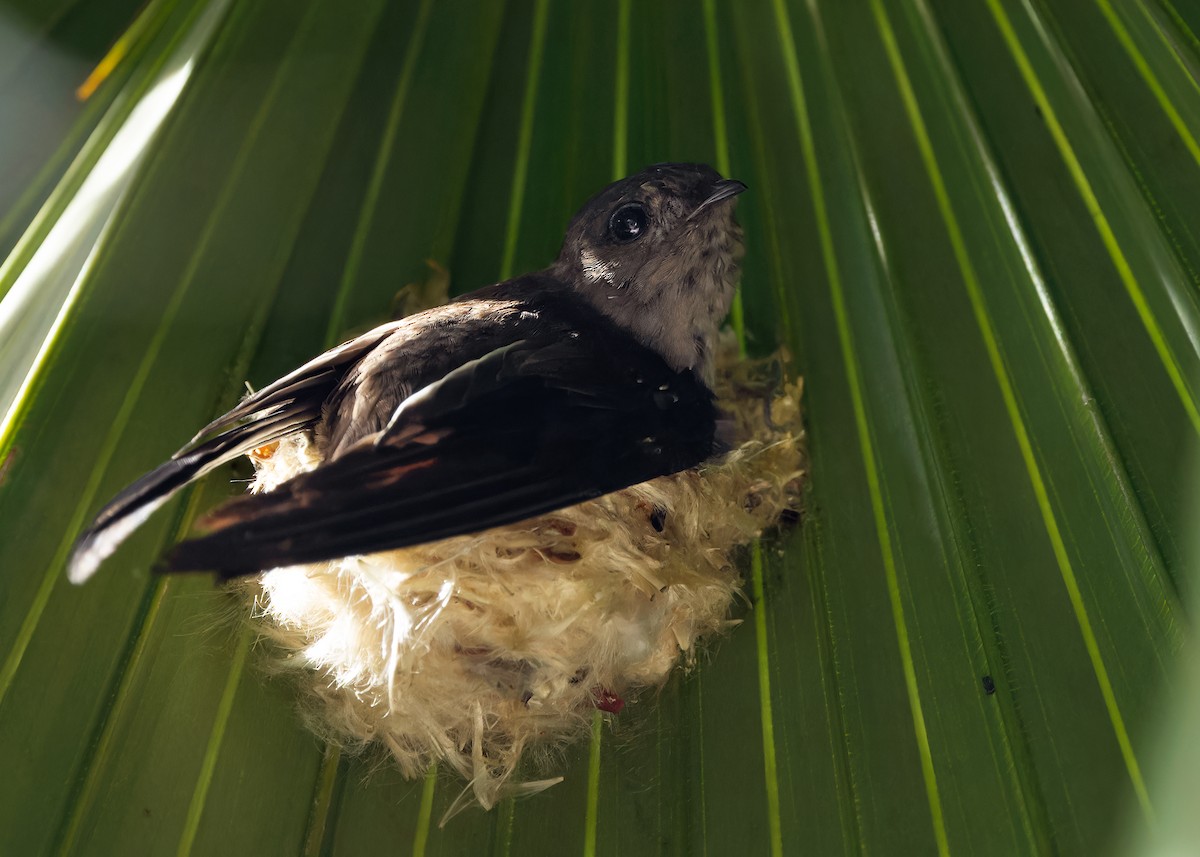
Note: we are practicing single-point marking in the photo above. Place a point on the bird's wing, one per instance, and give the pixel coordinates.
(526, 429)
(293, 402)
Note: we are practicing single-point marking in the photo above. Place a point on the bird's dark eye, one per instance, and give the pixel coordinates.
(628, 223)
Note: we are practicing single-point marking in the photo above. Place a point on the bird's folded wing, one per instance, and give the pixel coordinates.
(308, 386)
(529, 428)
(293, 402)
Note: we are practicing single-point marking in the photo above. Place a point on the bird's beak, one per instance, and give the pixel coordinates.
(724, 189)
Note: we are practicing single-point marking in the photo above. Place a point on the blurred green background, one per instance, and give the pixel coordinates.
(972, 223)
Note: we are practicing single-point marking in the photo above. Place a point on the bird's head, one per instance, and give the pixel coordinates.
(659, 253)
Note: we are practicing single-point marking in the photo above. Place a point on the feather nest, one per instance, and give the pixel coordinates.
(476, 651)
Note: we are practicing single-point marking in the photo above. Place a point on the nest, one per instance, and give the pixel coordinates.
(476, 651)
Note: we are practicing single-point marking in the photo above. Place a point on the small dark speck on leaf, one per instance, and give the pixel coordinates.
(989, 686)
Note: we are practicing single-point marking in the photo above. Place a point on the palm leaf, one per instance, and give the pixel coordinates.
(972, 225)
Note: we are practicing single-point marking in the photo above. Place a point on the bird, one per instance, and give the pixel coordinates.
(514, 400)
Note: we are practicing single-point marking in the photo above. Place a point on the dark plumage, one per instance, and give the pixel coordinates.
(512, 401)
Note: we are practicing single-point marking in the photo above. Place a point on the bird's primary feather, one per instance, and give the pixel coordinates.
(293, 403)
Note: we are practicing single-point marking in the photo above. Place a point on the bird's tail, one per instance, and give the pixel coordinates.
(293, 402)
(129, 509)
